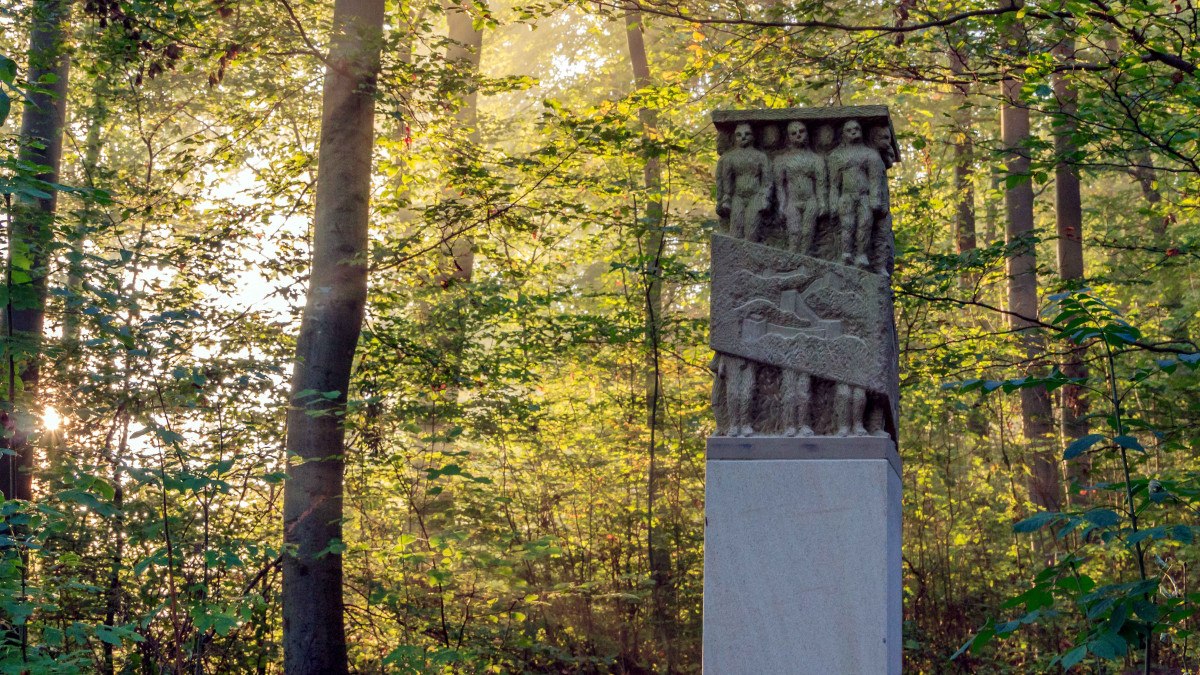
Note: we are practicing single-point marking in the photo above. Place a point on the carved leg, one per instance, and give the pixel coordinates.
(797, 398)
(875, 426)
(846, 219)
(755, 209)
(792, 218)
(741, 395)
(841, 407)
(737, 218)
(803, 403)
(862, 235)
(884, 246)
(808, 227)
(859, 411)
(719, 396)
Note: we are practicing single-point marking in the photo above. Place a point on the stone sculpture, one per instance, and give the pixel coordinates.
(743, 185)
(856, 178)
(801, 299)
(802, 188)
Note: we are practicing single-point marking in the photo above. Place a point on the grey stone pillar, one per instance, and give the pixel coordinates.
(802, 538)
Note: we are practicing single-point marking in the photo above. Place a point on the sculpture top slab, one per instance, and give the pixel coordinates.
(868, 115)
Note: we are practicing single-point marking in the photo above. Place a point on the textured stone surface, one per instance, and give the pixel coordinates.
(802, 566)
(790, 310)
(769, 124)
(802, 313)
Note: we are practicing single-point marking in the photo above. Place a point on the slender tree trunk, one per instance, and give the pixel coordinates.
(964, 156)
(29, 239)
(1147, 177)
(314, 639)
(1068, 215)
(465, 49)
(652, 248)
(1036, 412)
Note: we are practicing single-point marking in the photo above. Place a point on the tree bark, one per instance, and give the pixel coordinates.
(314, 639)
(1068, 216)
(964, 156)
(465, 49)
(1037, 417)
(652, 246)
(30, 237)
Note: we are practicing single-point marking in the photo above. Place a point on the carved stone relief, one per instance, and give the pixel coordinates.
(802, 318)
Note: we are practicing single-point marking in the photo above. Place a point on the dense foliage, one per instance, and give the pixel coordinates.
(527, 414)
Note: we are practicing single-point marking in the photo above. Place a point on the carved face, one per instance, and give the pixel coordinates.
(797, 135)
(851, 132)
(881, 137)
(743, 136)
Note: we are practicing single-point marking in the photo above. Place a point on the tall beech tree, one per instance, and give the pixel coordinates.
(964, 148)
(314, 638)
(1068, 217)
(1036, 413)
(465, 50)
(30, 237)
(652, 243)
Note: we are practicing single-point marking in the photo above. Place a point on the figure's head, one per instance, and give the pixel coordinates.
(743, 135)
(881, 140)
(851, 132)
(797, 135)
(881, 137)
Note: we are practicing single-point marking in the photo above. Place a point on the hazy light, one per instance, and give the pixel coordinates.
(51, 419)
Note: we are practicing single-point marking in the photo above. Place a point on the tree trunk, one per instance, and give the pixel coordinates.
(1036, 412)
(314, 639)
(465, 49)
(1068, 215)
(652, 244)
(29, 239)
(964, 156)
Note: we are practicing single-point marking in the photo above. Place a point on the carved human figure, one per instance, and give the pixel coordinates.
(743, 185)
(733, 394)
(801, 185)
(850, 406)
(797, 400)
(855, 178)
(883, 246)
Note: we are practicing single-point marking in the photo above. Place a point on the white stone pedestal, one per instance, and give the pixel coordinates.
(802, 557)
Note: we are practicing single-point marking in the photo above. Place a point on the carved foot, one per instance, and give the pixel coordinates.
(862, 261)
(860, 430)
(879, 433)
(806, 431)
(842, 432)
(790, 431)
(747, 431)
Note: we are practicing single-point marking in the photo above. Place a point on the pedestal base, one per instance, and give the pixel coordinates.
(802, 557)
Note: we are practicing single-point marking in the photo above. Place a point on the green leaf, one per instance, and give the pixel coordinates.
(1081, 445)
(335, 547)
(1037, 521)
(8, 71)
(1129, 443)
(1073, 657)
(1102, 517)
(1108, 646)
(1142, 535)
(109, 635)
